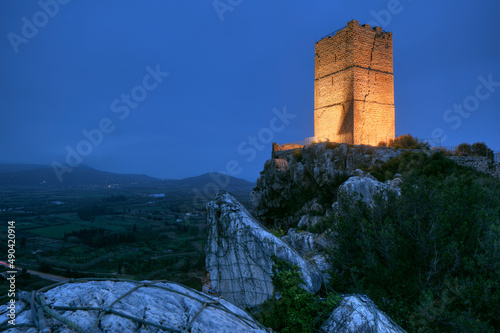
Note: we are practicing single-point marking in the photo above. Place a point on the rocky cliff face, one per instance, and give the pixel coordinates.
(239, 255)
(304, 182)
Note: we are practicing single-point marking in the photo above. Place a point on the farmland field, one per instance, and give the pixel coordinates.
(134, 233)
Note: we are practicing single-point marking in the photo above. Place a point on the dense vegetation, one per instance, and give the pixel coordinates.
(405, 141)
(430, 257)
(295, 310)
(417, 164)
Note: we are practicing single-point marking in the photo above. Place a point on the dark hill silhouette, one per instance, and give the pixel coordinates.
(23, 175)
(225, 181)
(31, 176)
(5, 168)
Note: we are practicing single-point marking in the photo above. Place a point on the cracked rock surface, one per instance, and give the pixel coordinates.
(239, 254)
(168, 304)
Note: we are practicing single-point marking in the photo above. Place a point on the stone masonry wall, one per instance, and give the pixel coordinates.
(286, 146)
(354, 86)
(481, 164)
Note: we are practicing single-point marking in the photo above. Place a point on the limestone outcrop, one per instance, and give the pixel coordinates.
(357, 313)
(304, 181)
(312, 247)
(105, 306)
(307, 243)
(307, 221)
(239, 254)
(365, 187)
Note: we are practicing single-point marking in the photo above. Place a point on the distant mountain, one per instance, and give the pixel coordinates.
(21, 175)
(12, 175)
(221, 180)
(202, 188)
(4, 168)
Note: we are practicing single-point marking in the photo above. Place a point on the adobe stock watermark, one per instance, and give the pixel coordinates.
(383, 17)
(30, 28)
(121, 107)
(454, 116)
(223, 6)
(247, 148)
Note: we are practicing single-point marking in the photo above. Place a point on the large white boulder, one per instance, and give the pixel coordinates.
(111, 306)
(365, 187)
(239, 254)
(357, 313)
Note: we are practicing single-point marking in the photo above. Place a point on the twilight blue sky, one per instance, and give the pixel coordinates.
(228, 68)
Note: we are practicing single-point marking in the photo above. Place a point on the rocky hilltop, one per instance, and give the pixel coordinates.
(296, 190)
(298, 186)
(301, 185)
(386, 221)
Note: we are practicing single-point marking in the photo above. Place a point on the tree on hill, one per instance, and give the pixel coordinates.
(476, 149)
(463, 149)
(481, 149)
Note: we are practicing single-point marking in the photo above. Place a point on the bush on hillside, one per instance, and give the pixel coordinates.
(463, 149)
(418, 163)
(476, 149)
(405, 141)
(296, 310)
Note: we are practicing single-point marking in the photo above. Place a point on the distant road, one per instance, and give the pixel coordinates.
(46, 276)
(50, 277)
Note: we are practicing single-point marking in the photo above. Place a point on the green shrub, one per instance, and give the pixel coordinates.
(476, 149)
(443, 150)
(296, 310)
(277, 232)
(297, 155)
(405, 141)
(481, 149)
(463, 149)
(418, 163)
(332, 145)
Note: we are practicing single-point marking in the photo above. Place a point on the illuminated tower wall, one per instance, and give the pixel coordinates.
(354, 86)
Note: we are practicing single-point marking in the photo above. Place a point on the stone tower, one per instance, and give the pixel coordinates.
(354, 86)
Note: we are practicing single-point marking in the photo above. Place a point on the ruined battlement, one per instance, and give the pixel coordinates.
(353, 23)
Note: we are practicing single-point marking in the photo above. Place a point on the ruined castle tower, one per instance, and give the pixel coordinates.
(354, 86)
